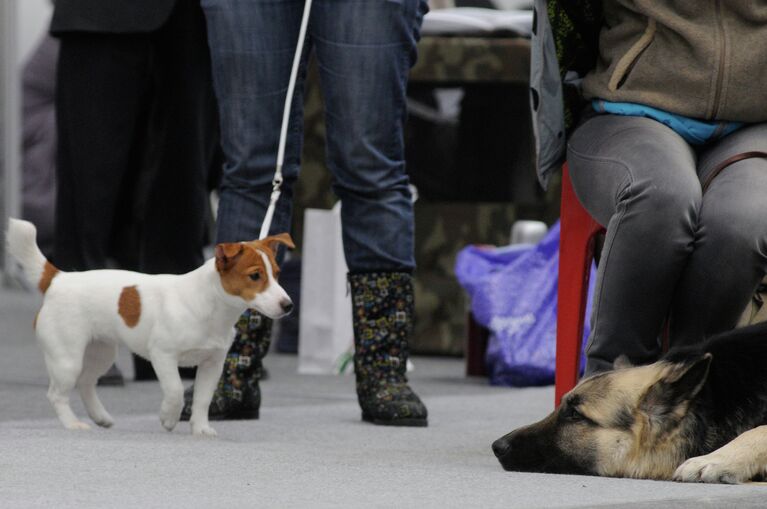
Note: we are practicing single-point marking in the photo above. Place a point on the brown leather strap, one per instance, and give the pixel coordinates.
(729, 161)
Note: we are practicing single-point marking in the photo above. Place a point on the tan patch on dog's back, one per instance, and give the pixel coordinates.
(49, 272)
(129, 306)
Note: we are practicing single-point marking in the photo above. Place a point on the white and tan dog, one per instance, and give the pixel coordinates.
(172, 320)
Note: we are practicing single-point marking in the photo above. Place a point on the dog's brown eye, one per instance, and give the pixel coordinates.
(255, 276)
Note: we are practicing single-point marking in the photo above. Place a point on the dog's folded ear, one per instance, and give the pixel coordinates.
(227, 255)
(274, 241)
(669, 395)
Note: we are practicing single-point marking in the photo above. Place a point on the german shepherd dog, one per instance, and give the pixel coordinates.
(697, 415)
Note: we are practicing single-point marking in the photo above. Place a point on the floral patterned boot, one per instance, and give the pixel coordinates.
(383, 316)
(238, 395)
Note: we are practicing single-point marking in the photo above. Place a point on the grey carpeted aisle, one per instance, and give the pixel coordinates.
(309, 449)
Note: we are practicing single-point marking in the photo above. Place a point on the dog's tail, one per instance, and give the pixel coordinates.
(22, 245)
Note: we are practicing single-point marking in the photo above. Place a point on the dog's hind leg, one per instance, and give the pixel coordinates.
(63, 372)
(63, 343)
(736, 462)
(99, 356)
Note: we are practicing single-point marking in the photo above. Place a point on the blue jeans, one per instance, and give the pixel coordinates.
(365, 49)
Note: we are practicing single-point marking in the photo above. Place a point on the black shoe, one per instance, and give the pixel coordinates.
(113, 377)
(143, 370)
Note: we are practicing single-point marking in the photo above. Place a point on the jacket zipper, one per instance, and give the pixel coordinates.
(722, 53)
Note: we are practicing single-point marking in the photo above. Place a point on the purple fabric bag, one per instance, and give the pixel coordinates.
(513, 293)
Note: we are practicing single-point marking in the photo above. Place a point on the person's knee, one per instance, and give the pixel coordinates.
(366, 172)
(739, 228)
(734, 209)
(670, 208)
(387, 192)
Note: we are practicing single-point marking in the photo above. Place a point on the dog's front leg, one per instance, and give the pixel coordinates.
(736, 462)
(205, 383)
(166, 367)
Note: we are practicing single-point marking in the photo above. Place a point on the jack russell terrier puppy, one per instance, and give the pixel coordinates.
(183, 320)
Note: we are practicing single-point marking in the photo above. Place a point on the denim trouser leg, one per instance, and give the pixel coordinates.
(252, 45)
(730, 256)
(365, 49)
(669, 249)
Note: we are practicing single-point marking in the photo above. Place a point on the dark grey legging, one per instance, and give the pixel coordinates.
(669, 248)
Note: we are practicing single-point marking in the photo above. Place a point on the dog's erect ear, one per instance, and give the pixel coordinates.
(273, 241)
(622, 362)
(668, 396)
(227, 255)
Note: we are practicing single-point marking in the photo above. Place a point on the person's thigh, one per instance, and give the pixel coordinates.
(252, 43)
(101, 89)
(730, 257)
(637, 177)
(365, 49)
(613, 157)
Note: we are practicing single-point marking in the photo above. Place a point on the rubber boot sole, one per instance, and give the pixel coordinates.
(406, 422)
(236, 415)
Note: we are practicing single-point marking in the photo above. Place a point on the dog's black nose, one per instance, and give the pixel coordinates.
(287, 306)
(501, 447)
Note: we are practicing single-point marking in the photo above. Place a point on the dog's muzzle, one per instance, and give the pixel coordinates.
(501, 447)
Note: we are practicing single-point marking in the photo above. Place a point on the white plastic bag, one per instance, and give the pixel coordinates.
(325, 333)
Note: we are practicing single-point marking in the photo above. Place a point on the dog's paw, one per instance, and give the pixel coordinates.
(170, 413)
(205, 430)
(78, 425)
(714, 468)
(105, 421)
(168, 422)
(169, 419)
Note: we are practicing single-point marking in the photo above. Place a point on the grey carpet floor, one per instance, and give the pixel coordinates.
(309, 449)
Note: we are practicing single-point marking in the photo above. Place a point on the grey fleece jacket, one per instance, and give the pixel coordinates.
(704, 59)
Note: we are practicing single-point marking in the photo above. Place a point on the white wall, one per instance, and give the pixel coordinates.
(10, 108)
(33, 18)
(22, 22)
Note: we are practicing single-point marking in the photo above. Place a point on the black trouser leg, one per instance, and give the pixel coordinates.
(101, 86)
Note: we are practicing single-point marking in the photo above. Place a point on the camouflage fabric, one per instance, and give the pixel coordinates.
(383, 319)
(443, 229)
(575, 25)
(472, 60)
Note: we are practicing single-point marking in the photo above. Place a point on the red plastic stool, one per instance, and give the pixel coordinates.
(577, 232)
